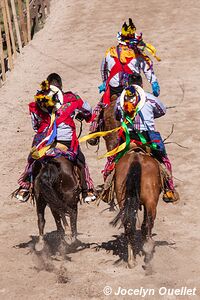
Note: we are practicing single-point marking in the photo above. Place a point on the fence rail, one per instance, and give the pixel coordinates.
(19, 20)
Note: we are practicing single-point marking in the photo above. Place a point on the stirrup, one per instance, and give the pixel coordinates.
(171, 196)
(22, 195)
(89, 198)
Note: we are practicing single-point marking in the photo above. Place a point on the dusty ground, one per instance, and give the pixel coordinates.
(73, 43)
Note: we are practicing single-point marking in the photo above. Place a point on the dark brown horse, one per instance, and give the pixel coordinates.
(137, 183)
(56, 184)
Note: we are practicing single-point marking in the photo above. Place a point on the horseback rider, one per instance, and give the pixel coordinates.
(120, 63)
(52, 115)
(143, 126)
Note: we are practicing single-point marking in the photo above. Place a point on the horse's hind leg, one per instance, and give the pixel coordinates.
(131, 250)
(67, 229)
(150, 215)
(144, 227)
(131, 256)
(73, 221)
(148, 223)
(41, 204)
(58, 222)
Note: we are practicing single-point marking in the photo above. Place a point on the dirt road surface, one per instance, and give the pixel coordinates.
(73, 43)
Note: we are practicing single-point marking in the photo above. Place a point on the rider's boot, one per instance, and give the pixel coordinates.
(170, 193)
(171, 196)
(22, 194)
(87, 194)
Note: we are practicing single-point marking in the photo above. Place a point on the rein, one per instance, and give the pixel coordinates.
(81, 129)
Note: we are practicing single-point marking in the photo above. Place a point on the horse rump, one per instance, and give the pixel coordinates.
(128, 213)
(47, 183)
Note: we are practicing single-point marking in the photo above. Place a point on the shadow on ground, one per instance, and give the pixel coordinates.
(118, 246)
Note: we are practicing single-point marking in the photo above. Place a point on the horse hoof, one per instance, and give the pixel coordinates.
(149, 246)
(39, 246)
(131, 265)
(69, 239)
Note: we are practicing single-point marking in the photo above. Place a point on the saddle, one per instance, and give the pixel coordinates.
(145, 150)
(63, 148)
(107, 192)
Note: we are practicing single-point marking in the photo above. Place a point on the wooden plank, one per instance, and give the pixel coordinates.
(28, 20)
(2, 57)
(22, 21)
(16, 25)
(10, 29)
(5, 22)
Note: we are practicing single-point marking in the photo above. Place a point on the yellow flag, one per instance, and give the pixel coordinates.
(152, 50)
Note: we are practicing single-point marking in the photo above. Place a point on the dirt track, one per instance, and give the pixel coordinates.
(72, 43)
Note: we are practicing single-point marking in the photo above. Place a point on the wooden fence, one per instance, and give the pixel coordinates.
(19, 20)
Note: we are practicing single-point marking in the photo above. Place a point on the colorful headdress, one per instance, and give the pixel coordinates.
(49, 96)
(129, 37)
(128, 31)
(132, 100)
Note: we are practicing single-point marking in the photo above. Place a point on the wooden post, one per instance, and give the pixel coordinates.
(33, 14)
(36, 16)
(42, 10)
(2, 57)
(16, 25)
(5, 22)
(28, 20)
(47, 6)
(22, 21)
(10, 28)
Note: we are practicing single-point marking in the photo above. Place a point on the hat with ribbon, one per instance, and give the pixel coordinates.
(49, 96)
(132, 100)
(129, 37)
(128, 32)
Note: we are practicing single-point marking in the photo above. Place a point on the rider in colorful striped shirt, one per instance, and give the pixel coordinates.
(121, 62)
(144, 122)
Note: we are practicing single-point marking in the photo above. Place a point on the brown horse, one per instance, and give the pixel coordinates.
(56, 184)
(137, 183)
(110, 123)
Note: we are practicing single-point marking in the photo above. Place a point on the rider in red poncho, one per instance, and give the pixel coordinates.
(52, 115)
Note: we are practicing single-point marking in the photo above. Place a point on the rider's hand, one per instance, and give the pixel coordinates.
(79, 117)
(155, 88)
(102, 87)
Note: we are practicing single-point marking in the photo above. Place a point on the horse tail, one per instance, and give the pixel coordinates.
(132, 196)
(49, 181)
